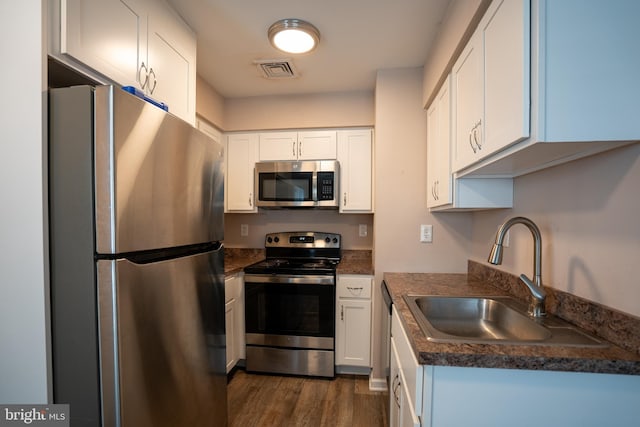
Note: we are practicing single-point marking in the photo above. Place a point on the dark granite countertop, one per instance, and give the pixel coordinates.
(612, 359)
(356, 262)
(236, 259)
(353, 261)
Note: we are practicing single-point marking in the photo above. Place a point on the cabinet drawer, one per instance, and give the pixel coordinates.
(354, 286)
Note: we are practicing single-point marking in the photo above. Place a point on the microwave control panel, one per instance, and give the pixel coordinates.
(325, 186)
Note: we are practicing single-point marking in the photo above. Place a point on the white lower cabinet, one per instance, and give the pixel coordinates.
(437, 396)
(234, 319)
(353, 320)
(406, 379)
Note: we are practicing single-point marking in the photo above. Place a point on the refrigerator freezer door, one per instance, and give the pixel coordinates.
(162, 328)
(159, 181)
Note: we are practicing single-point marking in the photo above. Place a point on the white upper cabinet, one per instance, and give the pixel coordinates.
(439, 148)
(355, 154)
(571, 92)
(171, 57)
(303, 145)
(140, 43)
(241, 155)
(491, 84)
(468, 105)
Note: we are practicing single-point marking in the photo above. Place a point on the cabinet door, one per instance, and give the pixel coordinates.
(432, 154)
(317, 145)
(355, 154)
(278, 146)
(506, 49)
(241, 156)
(468, 105)
(395, 388)
(107, 36)
(172, 63)
(230, 334)
(353, 333)
(439, 177)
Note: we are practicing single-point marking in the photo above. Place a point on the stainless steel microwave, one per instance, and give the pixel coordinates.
(297, 184)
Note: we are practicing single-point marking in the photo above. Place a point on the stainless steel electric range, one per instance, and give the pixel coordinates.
(290, 305)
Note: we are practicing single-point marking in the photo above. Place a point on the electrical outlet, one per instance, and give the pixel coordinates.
(426, 233)
(244, 230)
(362, 230)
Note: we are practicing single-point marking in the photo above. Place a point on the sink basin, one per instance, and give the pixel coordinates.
(493, 320)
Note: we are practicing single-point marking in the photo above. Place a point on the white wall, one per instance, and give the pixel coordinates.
(271, 221)
(24, 316)
(209, 103)
(401, 195)
(345, 109)
(589, 214)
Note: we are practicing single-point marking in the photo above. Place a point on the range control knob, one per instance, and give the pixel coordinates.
(326, 239)
(276, 239)
(335, 240)
(269, 239)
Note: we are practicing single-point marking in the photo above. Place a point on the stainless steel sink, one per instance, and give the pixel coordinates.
(493, 320)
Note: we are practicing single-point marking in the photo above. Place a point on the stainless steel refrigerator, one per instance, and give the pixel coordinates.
(137, 277)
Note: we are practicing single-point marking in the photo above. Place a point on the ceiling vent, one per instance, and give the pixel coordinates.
(277, 68)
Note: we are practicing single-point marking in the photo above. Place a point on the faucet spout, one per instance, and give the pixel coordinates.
(538, 294)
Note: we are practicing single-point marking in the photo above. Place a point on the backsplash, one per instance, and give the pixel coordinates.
(619, 328)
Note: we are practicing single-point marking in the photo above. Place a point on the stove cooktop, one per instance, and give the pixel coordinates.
(292, 266)
(300, 252)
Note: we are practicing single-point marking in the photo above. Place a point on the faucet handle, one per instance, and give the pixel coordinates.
(538, 294)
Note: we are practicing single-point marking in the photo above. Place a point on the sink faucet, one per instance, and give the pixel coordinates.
(538, 294)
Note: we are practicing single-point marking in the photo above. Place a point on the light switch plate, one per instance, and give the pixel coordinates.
(426, 233)
(362, 230)
(244, 230)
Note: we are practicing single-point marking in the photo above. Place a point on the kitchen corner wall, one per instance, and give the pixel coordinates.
(25, 346)
(588, 212)
(401, 197)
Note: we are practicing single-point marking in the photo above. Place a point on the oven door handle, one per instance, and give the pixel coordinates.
(290, 279)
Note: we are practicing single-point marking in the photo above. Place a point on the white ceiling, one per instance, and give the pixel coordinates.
(358, 37)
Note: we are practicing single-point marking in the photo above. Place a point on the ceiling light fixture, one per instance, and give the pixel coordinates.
(294, 36)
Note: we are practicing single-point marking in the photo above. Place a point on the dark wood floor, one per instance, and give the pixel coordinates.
(270, 400)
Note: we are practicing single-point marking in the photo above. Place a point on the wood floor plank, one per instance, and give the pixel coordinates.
(272, 400)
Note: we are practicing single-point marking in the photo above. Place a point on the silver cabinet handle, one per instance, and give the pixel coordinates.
(300, 148)
(341, 312)
(470, 140)
(436, 186)
(251, 199)
(396, 396)
(344, 198)
(152, 73)
(293, 149)
(476, 136)
(354, 290)
(146, 75)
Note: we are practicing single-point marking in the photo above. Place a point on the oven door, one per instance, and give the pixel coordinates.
(290, 311)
